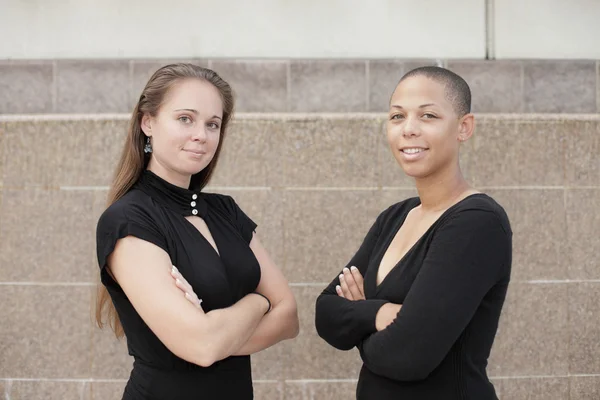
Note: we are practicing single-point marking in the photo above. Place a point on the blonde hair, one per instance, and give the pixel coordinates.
(133, 160)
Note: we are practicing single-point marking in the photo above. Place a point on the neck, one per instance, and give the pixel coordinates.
(438, 192)
(174, 178)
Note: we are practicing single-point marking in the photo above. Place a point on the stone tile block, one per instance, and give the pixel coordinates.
(328, 86)
(496, 86)
(324, 229)
(26, 87)
(259, 86)
(509, 153)
(582, 149)
(538, 220)
(93, 87)
(584, 311)
(583, 225)
(560, 86)
(529, 327)
(62, 153)
(45, 331)
(330, 152)
(46, 235)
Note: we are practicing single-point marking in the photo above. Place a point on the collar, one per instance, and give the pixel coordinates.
(184, 201)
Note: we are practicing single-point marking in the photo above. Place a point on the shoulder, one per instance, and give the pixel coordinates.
(398, 209)
(480, 211)
(220, 201)
(134, 206)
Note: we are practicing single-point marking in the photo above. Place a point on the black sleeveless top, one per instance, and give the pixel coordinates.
(154, 210)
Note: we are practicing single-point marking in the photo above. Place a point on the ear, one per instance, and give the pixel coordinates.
(146, 125)
(466, 127)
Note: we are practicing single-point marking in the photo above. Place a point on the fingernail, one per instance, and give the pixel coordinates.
(174, 268)
(353, 268)
(341, 276)
(338, 288)
(346, 270)
(177, 281)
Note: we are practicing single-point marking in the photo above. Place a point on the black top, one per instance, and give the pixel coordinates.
(154, 210)
(452, 284)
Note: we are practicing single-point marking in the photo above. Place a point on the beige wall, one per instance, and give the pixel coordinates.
(292, 173)
(503, 29)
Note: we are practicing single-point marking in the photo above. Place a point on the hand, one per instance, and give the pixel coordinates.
(185, 287)
(351, 285)
(386, 315)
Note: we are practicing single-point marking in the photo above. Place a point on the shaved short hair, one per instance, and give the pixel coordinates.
(457, 89)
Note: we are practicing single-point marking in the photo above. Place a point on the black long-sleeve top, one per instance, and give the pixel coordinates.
(452, 284)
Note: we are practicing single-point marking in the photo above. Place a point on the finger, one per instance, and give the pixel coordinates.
(181, 282)
(352, 286)
(345, 289)
(358, 278)
(338, 290)
(194, 300)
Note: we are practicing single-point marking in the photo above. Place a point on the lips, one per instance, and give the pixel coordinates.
(413, 150)
(195, 151)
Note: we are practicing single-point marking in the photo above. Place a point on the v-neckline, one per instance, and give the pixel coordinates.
(217, 251)
(393, 236)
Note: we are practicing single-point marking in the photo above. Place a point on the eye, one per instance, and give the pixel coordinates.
(185, 119)
(429, 115)
(213, 125)
(396, 116)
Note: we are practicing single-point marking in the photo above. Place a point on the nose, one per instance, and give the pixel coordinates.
(200, 134)
(411, 127)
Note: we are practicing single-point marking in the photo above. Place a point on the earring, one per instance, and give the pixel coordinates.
(148, 146)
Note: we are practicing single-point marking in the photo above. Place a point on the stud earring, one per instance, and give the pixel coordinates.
(148, 146)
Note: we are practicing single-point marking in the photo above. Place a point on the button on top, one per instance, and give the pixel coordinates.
(193, 204)
(194, 196)
(195, 212)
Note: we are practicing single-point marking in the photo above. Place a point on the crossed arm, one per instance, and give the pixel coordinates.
(185, 329)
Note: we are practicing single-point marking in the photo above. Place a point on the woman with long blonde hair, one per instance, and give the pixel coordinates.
(163, 242)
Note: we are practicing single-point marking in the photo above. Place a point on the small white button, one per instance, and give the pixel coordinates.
(194, 196)
(195, 212)
(193, 204)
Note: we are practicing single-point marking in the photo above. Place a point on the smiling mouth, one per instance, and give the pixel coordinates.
(412, 150)
(196, 152)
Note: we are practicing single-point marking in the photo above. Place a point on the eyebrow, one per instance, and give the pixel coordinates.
(421, 106)
(195, 112)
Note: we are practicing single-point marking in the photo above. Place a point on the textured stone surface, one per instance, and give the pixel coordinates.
(330, 152)
(47, 390)
(46, 235)
(534, 319)
(560, 86)
(583, 225)
(259, 86)
(45, 331)
(536, 389)
(310, 357)
(93, 87)
(324, 229)
(61, 152)
(585, 387)
(496, 86)
(582, 149)
(509, 153)
(538, 221)
(251, 154)
(26, 87)
(584, 311)
(328, 86)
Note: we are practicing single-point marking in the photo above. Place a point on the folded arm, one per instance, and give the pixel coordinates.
(142, 270)
(466, 259)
